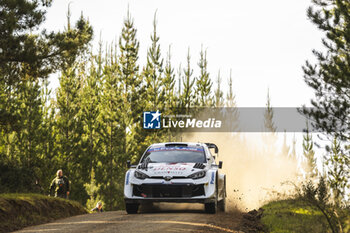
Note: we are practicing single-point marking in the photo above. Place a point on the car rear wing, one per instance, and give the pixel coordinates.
(212, 146)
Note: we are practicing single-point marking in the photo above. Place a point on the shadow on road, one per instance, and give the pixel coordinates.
(172, 208)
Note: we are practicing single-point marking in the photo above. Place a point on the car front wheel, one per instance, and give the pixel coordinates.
(131, 208)
(211, 207)
(222, 205)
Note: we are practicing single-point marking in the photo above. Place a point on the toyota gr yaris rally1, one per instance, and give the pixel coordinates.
(176, 172)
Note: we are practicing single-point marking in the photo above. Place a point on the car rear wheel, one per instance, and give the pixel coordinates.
(211, 207)
(131, 208)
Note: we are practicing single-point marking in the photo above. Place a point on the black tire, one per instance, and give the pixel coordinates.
(222, 202)
(131, 208)
(211, 207)
(222, 205)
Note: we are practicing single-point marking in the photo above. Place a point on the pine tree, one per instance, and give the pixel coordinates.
(2, 116)
(169, 85)
(338, 172)
(187, 97)
(330, 77)
(89, 109)
(10, 121)
(48, 142)
(269, 137)
(309, 154)
(153, 72)
(179, 85)
(69, 130)
(109, 167)
(203, 82)
(133, 91)
(230, 98)
(218, 97)
(233, 114)
(28, 56)
(127, 65)
(268, 116)
(29, 135)
(28, 51)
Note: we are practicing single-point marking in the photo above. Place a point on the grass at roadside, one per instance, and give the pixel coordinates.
(293, 215)
(21, 210)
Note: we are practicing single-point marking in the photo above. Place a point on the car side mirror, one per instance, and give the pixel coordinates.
(220, 164)
(216, 150)
(128, 164)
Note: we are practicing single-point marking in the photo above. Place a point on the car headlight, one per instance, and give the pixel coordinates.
(140, 175)
(197, 175)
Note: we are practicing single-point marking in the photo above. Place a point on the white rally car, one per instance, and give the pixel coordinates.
(176, 172)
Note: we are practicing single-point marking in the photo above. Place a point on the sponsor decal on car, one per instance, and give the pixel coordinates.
(193, 149)
(169, 168)
(212, 180)
(127, 178)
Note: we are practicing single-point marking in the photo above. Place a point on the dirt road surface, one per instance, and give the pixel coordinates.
(158, 219)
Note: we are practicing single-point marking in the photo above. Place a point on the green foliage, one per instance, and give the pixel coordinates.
(92, 124)
(69, 129)
(132, 89)
(319, 197)
(310, 211)
(113, 137)
(330, 77)
(37, 55)
(338, 171)
(153, 72)
(89, 101)
(292, 215)
(15, 179)
(203, 82)
(92, 190)
(27, 119)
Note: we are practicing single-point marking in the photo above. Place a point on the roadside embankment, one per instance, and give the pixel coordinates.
(21, 210)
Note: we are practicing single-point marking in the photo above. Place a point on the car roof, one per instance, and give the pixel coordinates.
(178, 144)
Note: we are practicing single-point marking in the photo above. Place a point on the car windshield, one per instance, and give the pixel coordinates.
(175, 155)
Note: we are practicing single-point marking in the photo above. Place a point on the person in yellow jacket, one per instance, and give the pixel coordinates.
(60, 185)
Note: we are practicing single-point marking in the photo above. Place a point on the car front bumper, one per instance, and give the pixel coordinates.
(177, 190)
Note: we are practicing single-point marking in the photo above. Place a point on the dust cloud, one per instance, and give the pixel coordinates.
(256, 168)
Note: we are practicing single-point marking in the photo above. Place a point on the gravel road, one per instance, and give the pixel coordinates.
(161, 218)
